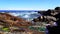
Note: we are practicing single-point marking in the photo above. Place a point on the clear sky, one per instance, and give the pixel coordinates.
(28, 4)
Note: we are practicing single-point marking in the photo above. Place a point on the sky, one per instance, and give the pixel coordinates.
(28, 4)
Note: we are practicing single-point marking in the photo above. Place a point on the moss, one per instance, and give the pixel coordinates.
(5, 29)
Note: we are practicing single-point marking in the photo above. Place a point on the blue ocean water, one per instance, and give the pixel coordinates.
(26, 14)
